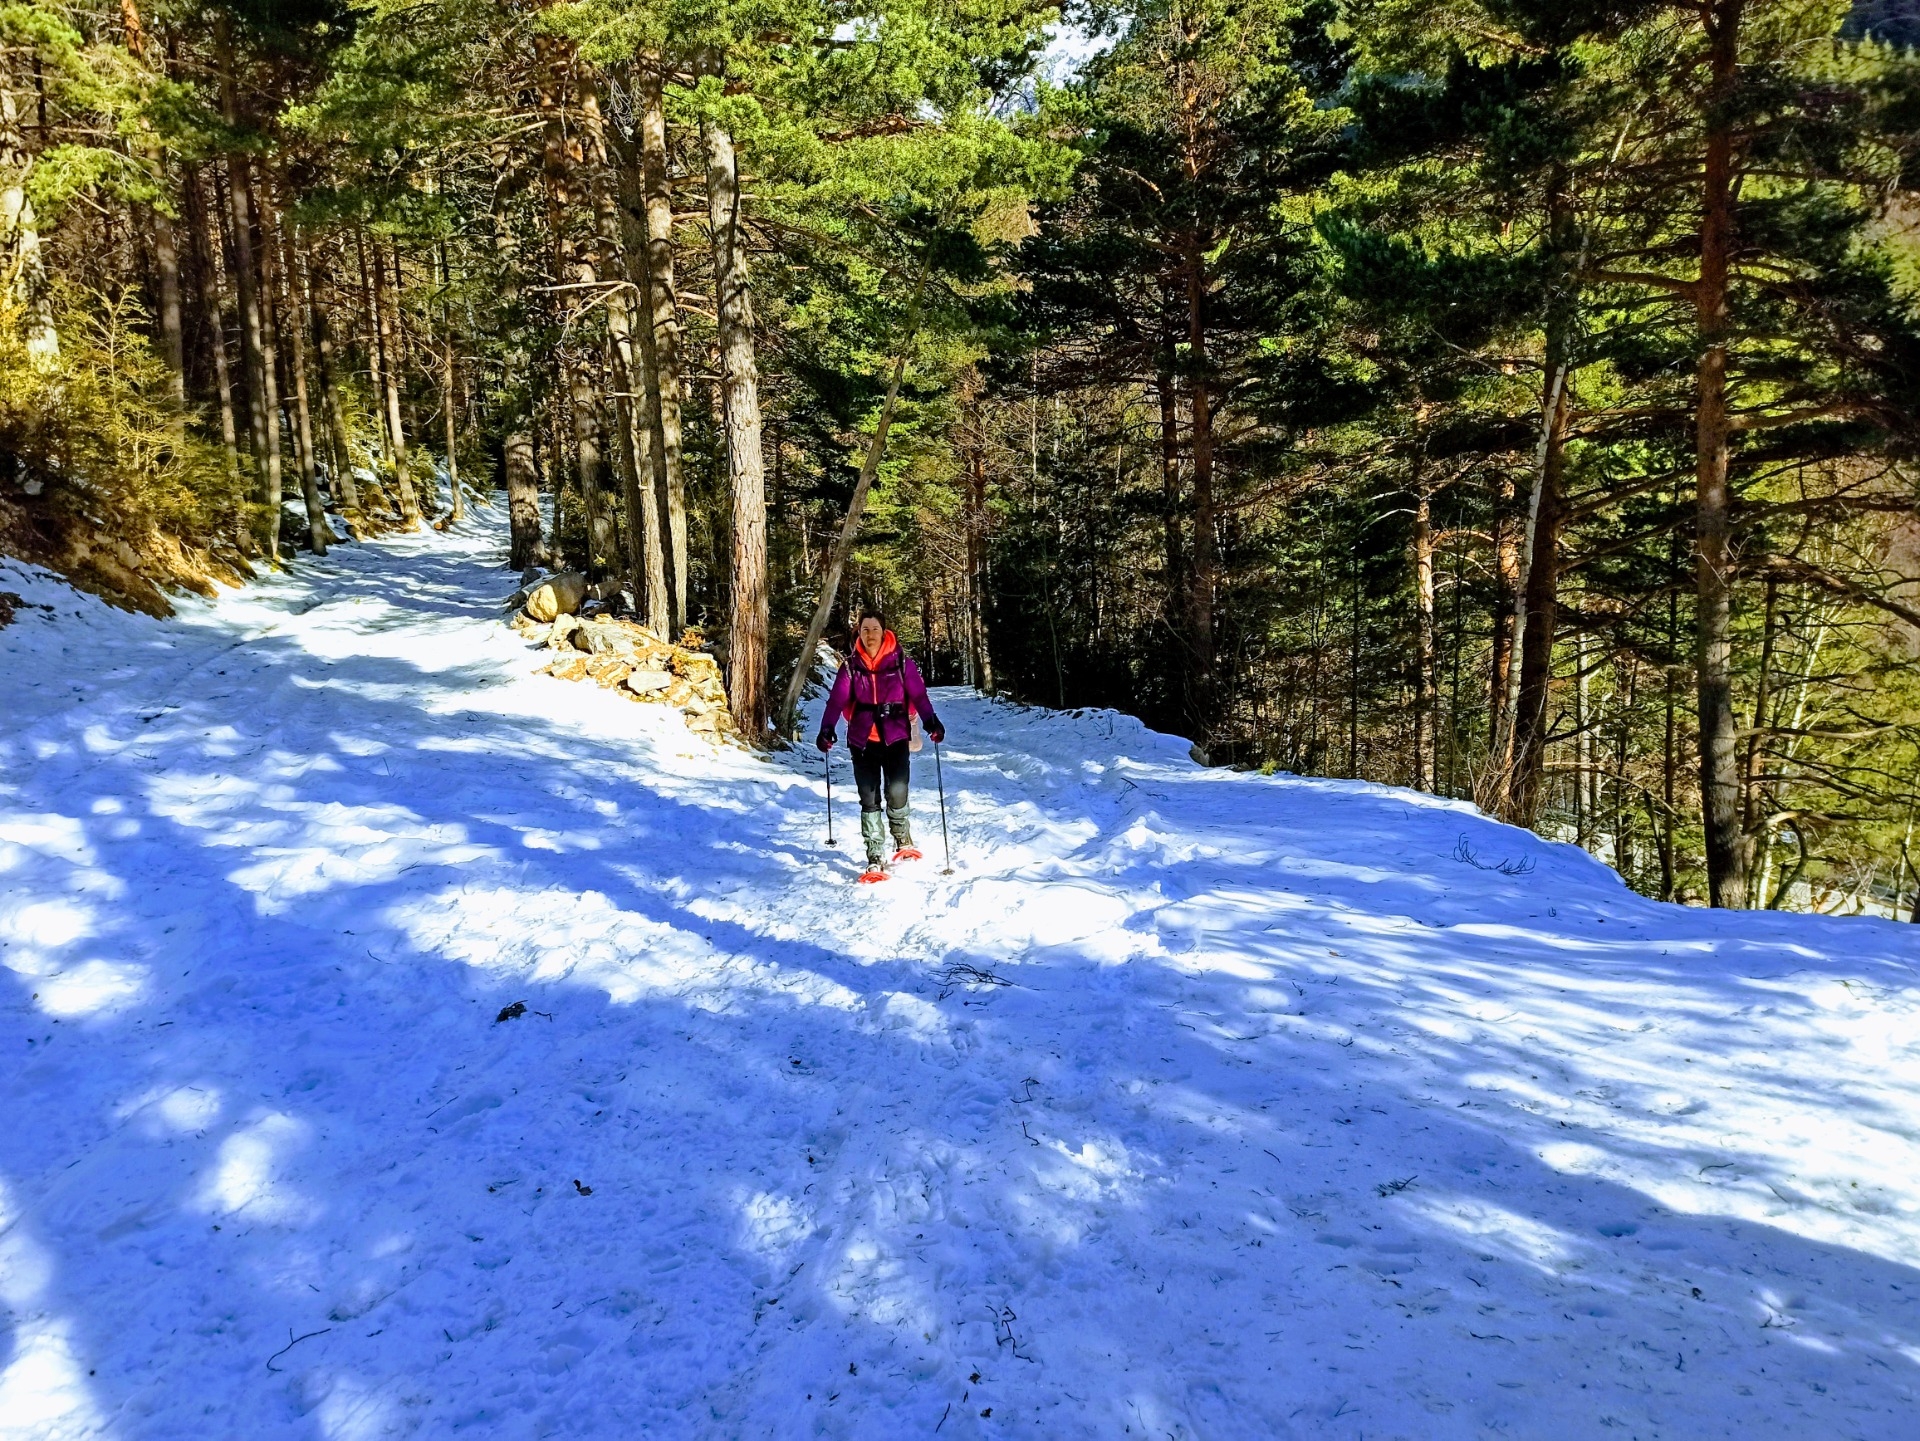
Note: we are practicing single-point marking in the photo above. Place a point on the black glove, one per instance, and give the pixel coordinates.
(825, 741)
(938, 732)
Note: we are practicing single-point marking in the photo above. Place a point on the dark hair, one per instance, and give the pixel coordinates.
(868, 613)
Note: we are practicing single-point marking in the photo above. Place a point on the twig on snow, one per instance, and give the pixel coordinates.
(291, 1343)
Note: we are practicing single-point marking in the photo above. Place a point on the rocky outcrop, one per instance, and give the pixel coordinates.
(632, 661)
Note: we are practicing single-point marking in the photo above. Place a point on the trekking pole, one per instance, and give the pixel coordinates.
(941, 780)
(826, 760)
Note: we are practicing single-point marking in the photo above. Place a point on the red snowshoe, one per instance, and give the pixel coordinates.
(872, 874)
(907, 853)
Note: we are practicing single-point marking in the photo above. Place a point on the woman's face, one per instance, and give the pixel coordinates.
(871, 634)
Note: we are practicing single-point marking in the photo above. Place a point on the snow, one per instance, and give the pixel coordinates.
(1191, 1104)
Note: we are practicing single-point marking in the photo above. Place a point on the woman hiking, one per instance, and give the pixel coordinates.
(879, 691)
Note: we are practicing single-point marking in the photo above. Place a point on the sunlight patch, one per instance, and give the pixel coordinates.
(1499, 1231)
(173, 1110)
(92, 987)
(43, 1390)
(46, 923)
(43, 1387)
(247, 1175)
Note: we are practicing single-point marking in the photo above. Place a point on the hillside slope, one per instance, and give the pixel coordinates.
(1191, 1104)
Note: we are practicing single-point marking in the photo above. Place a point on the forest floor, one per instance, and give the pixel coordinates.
(1192, 1104)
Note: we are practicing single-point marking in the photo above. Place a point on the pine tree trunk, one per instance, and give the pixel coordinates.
(1201, 567)
(1726, 843)
(1539, 611)
(627, 323)
(740, 398)
(566, 188)
(1490, 791)
(519, 462)
(263, 393)
(1423, 728)
(387, 328)
(977, 558)
(449, 389)
(166, 267)
(650, 549)
(318, 297)
(664, 334)
(206, 237)
(319, 529)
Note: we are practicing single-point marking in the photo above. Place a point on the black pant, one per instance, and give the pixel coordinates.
(874, 764)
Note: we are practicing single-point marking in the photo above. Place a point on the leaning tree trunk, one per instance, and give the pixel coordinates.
(740, 401)
(850, 525)
(1726, 843)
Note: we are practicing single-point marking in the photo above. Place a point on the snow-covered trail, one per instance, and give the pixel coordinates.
(1193, 1104)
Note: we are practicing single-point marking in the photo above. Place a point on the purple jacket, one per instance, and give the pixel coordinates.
(877, 695)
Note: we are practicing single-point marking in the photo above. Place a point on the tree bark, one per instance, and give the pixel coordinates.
(206, 235)
(517, 453)
(386, 330)
(748, 618)
(1539, 611)
(319, 529)
(663, 336)
(1423, 698)
(563, 163)
(1726, 843)
(318, 298)
(166, 266)
(263, 391)
(620, 230)
(1201, 566)
(977, 558)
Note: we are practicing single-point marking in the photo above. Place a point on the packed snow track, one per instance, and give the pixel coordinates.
(1192, 1104)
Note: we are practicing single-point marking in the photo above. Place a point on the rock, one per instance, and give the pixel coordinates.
(530, 628)
(530, 577)
(647, 682)
(695, 665)
(695, 705)
(573, 667)
(558, 595)
(707, 723)
(560, 636)
(608, 670)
